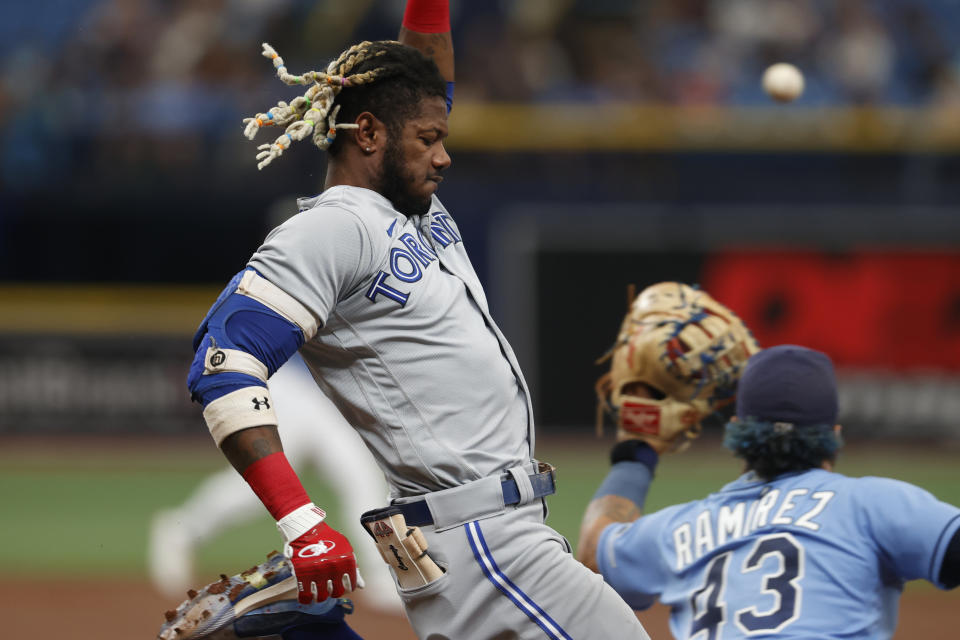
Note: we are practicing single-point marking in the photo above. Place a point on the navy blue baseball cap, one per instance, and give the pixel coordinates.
(788, 383)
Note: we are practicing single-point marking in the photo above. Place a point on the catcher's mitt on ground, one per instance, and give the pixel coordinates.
(677, 359)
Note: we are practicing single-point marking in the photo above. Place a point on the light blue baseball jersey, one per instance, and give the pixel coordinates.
(811, 554)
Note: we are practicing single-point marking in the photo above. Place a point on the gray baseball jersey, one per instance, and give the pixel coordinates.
(409, 353)
(407, 348)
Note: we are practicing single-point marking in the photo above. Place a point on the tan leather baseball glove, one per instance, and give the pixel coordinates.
(677, 359)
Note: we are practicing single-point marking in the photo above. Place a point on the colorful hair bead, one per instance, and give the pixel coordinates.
(320, 97)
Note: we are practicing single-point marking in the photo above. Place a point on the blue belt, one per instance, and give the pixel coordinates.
(417, 514)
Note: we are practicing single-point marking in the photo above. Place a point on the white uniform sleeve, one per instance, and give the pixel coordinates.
(318, 256)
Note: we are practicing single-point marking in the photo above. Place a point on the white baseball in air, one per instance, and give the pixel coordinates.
(783, 82)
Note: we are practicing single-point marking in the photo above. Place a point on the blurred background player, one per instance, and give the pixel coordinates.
(790, 549)
(314, 434)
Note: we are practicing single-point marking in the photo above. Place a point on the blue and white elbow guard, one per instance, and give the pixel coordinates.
(249, 332)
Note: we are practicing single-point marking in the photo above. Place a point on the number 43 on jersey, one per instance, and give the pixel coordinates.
(709, 605)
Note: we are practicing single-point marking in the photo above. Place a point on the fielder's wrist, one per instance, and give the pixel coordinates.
(635, 451)
(299, 521)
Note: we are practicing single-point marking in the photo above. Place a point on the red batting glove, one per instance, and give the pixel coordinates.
(322, 557)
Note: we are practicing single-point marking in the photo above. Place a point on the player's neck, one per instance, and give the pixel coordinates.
(342, 174)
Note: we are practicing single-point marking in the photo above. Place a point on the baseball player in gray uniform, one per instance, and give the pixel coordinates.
(372, 285)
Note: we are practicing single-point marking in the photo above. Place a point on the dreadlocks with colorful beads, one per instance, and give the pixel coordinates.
(386, 78)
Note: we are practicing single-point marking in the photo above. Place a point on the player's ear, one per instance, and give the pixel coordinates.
(370, 132)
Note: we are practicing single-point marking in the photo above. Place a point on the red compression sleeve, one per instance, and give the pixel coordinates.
(427, 16)
(276, 484)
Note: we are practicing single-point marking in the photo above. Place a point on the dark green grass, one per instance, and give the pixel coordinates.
(72, 513)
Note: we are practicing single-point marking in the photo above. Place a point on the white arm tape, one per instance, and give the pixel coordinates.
(299, 521)
(240, 409)
(220, 360)
(269, 294)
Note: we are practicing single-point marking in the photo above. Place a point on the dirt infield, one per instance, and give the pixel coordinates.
(123, 610)
(118, 610)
